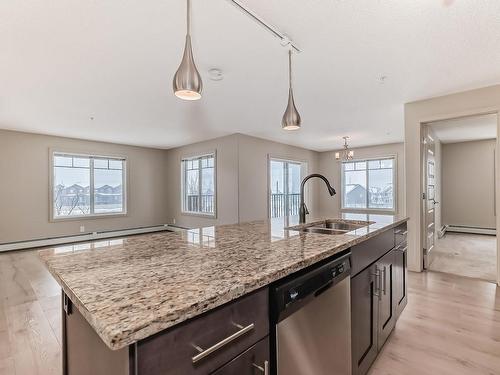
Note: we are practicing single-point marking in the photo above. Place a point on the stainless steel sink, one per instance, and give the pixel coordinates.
(331, 226)
(340, 225)
(323, 230)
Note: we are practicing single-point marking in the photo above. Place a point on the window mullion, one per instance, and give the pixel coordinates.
(367, 174)
(91, 187)
(200, 163)
(286, 189)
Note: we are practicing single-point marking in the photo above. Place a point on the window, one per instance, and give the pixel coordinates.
(86, 185)
(369, 185)
(198, 185)
(284, 191)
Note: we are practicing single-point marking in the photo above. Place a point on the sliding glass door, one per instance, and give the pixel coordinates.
(284, 190)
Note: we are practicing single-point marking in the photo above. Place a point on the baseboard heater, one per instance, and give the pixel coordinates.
(469, 229)
(44, 242)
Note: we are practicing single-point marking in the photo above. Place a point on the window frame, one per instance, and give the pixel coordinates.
(183, 184)
(368, 210)
(304, 166)
(58, 152)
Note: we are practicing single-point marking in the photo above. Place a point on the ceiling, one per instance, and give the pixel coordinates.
(102, 70)
(473, 128)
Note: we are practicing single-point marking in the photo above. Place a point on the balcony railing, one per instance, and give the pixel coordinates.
(278, 206)
(203, 203)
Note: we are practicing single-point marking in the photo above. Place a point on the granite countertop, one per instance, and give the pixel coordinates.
(133, 287)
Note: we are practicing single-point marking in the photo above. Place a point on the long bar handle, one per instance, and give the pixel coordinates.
(401, 249)
(384, 280)
(264, 370)
(206, 352)
(377, 282)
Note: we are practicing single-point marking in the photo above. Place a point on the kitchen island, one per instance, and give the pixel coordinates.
(130, 303)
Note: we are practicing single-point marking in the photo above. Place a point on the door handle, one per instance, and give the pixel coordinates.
(384, 288)
(206, 352)
(377, 283)
(264, 370)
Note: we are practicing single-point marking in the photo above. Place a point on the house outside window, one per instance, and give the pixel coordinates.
(87, 186)
(199, 185)
(369, 185)
(285, 177)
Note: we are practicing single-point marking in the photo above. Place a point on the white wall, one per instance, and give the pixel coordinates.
(332, 170)
(469, 183)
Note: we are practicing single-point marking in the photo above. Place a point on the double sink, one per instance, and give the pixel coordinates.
(331, 226)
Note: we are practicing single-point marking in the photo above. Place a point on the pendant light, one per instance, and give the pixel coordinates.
(291, 118)
(346, 153)
(187, 81)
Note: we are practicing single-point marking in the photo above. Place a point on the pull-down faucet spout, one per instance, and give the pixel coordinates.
(303, 211)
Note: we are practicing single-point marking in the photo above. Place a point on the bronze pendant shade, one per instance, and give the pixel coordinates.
(187, 82)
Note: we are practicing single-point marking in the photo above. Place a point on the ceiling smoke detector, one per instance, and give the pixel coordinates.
(215, 74)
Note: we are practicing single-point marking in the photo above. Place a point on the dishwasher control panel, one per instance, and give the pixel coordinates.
(293, 294)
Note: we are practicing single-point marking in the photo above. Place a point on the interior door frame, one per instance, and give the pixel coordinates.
(456, 115)
(427, 252)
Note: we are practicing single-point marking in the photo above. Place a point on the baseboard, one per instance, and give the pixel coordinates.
(470, 229)
(441, 232)
(44, 242)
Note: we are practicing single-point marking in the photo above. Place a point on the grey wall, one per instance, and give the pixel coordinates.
(154, 182)
(24, 187)
(332, 170)
(468, 184)
(242, 178)
(226, 149)
(254, 154)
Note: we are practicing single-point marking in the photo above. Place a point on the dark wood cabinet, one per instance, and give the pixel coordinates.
(364, 319)
(254, 361)
(386, 308)
(401, 277)
(226, 340)
(378, 295)
(83, 350)
(202, 345)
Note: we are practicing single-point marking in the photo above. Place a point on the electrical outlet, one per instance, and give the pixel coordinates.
(173, 221)
(82, 229)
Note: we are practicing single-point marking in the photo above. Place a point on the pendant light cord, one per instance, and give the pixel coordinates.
(290, 67)
(188, 16)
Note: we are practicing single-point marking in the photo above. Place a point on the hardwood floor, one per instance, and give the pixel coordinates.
(471, 255)
(450, 326)
(30, 325)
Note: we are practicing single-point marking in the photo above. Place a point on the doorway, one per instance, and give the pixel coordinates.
(458, 210)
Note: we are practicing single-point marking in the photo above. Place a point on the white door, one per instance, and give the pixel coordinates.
(429, 201)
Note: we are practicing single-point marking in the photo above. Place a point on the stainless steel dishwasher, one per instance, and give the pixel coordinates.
(312, 321)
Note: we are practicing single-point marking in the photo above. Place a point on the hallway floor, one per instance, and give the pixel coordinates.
(451, 325)
(470, 255)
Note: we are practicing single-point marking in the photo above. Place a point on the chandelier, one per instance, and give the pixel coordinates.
(346, 154)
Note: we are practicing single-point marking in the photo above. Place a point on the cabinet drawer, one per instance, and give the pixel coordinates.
(254, 361)
(205, 343)
(367, 252)
(400, 233)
